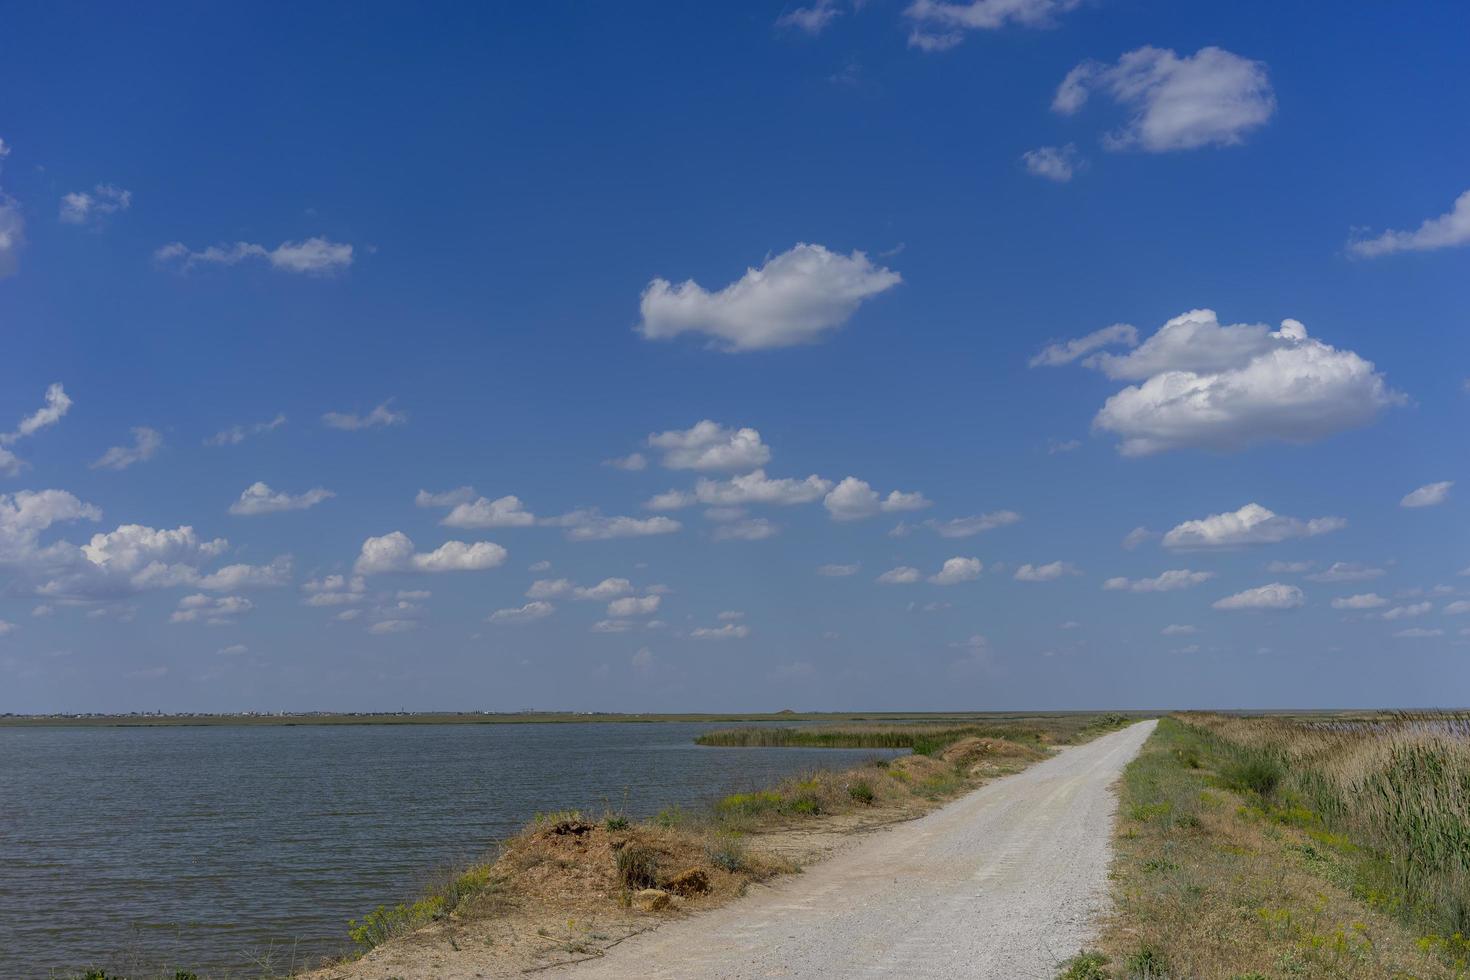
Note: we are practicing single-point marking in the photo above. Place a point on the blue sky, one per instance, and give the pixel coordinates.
(356, 253)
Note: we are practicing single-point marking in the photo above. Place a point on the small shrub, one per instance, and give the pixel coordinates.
(615, 821)
(1085, 966)
(387, 922)
(637, 867)
(1147, 964)
(671, 816)
(749, 804)
(1256, 774)
(805, 805)
(860, 791)
(728, 853)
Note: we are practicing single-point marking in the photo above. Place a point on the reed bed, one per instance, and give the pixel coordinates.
(921, 739)
(1396, 786)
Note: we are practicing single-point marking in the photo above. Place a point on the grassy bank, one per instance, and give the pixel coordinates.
(571, 885)
(924, 739)
(1255, 848)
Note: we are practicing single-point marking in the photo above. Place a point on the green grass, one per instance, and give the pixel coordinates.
(1085, 966)
(927, 738)
(391, 921)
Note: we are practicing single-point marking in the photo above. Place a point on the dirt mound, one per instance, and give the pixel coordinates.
(971, 750)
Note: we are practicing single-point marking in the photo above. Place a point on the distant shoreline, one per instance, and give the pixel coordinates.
(205, 720)
(202, 719)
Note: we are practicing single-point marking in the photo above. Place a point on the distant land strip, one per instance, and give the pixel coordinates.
(183, 719)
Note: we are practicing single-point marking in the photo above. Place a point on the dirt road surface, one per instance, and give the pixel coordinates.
(1002, 884)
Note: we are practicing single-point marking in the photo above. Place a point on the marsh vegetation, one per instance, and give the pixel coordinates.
(1253, 848)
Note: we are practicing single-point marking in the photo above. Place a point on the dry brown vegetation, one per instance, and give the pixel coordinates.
(569, 887)
(1254, 849)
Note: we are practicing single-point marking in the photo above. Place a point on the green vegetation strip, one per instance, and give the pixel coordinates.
(922, 739)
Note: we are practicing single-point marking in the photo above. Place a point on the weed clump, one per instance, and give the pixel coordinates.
(749, 804)
(1085, 966)
(861, 791)
(637, 867)
(1253, 773)
(728, 853)
(1147, 964)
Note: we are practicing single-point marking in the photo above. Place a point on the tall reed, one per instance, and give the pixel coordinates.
(1396, 785)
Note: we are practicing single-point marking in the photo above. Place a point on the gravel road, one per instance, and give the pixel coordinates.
(1002, 884)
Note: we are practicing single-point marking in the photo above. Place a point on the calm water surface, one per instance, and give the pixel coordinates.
(209, 848)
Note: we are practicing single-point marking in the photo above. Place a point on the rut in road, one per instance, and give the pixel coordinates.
(1002, 884)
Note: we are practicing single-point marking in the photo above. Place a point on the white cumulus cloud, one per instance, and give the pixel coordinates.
(258, 498)
(941, 24)
(1274, 596)
(237, 434)
(395, 552)
(507, 511)
(1452, 228)
(1058, 163)
(1252, 524)
(810, 20)
(1065, 352)
(957, 570)
(1212, 97)
(796, 297)
(213, 610)
(902, 575)
(378, 417)
(1049, 572)
(90, 207)
(590, 525)
(1223, 388)
(146, 443)
(708, 446)
(632, 605)
(1411, 610)
(756, 488)
(1170, 581)
(729, 631)
(57, 403)
(631, 463)
(1428, 495)
(233, 578)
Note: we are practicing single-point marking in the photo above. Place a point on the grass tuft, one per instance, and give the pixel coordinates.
(637, 867)
(1086, 966)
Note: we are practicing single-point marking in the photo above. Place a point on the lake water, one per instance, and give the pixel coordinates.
(212, 848)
